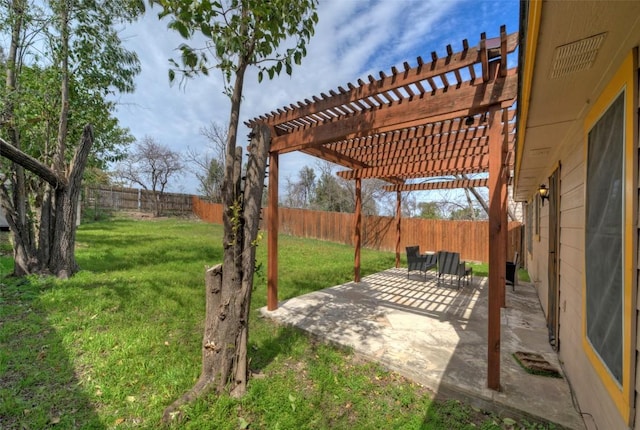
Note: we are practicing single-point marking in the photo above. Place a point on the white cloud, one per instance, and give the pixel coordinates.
(353, 38)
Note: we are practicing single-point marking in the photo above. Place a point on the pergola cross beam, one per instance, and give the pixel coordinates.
(462, 101)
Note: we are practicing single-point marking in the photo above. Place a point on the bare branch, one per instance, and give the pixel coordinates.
(31, 164)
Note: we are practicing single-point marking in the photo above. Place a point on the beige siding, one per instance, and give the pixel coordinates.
(541, 262)
(591, 393)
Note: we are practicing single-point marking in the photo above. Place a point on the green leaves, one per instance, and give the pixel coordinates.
(247, 32)
(180, 27)
(189, 57)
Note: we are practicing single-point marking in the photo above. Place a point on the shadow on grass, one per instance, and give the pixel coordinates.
(38, 384)
(108, 255)
(260, 357)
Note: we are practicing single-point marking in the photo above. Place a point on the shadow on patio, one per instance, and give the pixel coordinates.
(437, 336)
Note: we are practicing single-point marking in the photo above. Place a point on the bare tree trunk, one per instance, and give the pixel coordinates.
(15, 203)
(472, 211)
(63, 262)
(45, 236)
(58, 158)
(232, 266)
(224, 345)
(482, 201)
(253, 192)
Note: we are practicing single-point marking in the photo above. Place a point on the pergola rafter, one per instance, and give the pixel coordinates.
(467, 59)
(447, 184)
(449, 117)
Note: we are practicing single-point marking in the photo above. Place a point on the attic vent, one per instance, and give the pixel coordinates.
(576, 56)
(540, 152)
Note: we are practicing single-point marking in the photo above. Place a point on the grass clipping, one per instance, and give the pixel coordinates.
(536, 364)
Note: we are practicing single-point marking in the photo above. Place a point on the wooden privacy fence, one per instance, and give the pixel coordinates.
(469, 238)
(133, 199)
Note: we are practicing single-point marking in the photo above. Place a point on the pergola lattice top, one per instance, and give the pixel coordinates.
(420, 122)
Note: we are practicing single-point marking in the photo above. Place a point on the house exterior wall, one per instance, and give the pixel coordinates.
(596, 403)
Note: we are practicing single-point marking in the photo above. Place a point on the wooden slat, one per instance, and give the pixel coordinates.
(385, 154)
(428, 168)
(420, 73)
(484, 57)
(453, 103)
(421, 156)
(439, 185)
(503, 51)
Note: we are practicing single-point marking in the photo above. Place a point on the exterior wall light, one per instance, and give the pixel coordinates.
(543, 191)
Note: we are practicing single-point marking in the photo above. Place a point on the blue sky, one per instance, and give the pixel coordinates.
(354, 38)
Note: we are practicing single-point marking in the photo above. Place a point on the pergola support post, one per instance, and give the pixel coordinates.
(398, 225)
(504, 193)
(358, 230)
(497, 240)
(272, 234)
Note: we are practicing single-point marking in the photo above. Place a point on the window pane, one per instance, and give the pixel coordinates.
(603, 240)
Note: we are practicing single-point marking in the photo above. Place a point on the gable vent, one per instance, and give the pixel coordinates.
(576, 56)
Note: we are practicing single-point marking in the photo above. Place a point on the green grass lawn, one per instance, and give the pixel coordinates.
(117, 343)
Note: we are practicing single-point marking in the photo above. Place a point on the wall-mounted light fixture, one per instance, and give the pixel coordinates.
(543, 191)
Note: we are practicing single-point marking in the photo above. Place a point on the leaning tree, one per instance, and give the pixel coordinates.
(239, 34)
(64, 59)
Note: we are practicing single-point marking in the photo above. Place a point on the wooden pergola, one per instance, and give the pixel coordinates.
(451, 116)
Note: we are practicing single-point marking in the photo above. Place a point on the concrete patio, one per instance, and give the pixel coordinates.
(437, 336)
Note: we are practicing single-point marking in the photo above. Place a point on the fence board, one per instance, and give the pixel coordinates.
(133, 199)
(469, 238)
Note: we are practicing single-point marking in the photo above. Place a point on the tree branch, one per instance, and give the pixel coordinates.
(80, 158)
(31, 164)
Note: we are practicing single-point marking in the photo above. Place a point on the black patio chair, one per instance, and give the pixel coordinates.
(449, 264)
(512, 272)
(421, 262)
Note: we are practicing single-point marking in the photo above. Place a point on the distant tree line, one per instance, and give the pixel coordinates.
(322, 190)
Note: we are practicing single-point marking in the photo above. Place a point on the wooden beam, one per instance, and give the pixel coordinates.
(439, 185)
(503, 50)
(430, 108)
(424, 71)
(504, 193)
(424, 168)
(338, 158)
(497, 250)
(272, 235)
(398, 226)
(358, 230)
(484, 57)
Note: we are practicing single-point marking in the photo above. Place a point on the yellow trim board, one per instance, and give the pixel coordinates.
(623, 81)
(533, 30)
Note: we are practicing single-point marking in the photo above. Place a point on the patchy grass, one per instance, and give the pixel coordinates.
(482, 269)
(117, 343)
